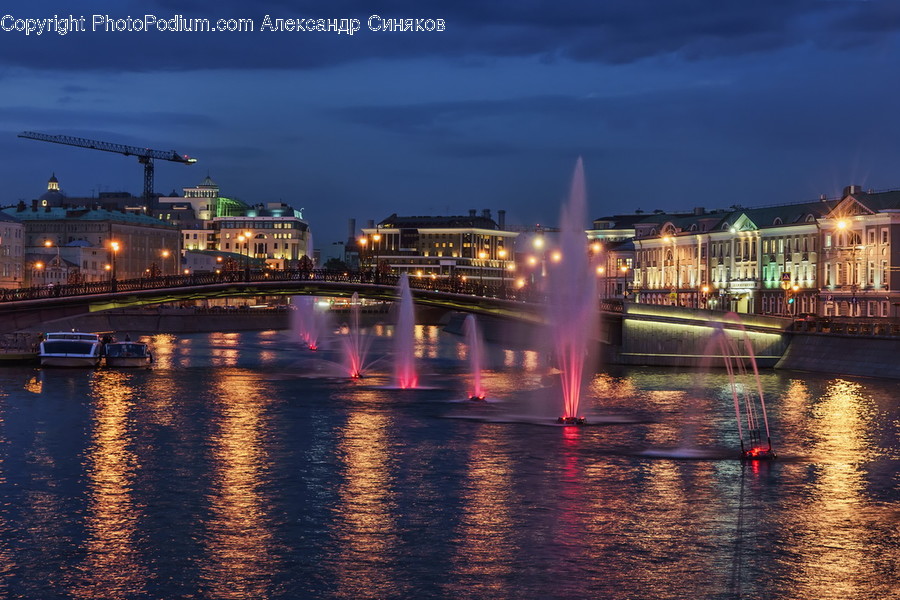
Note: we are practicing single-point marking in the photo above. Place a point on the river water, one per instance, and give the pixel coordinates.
(242, 466)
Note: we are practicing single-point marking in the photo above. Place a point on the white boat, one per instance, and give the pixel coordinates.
(127, 354)
(70, 349)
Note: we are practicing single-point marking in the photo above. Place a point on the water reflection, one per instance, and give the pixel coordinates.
(240, 559)
(486, 552)
(113, 567)
(7, 557)
(838, 514)
(365, 516)
(294, 487)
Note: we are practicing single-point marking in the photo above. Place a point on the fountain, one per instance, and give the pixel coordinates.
(572, 309)
(476, 346)
(306, 323)
(355, 343)
(743, 394)
(404, 339)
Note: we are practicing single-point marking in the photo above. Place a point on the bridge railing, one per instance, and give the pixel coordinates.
(455, 286)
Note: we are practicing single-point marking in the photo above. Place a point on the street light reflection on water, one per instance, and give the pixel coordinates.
(231, 470)
(112, 518)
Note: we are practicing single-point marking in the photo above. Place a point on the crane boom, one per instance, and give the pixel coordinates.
(145, 156)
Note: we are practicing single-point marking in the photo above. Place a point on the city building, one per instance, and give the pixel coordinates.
(472, 248)
(860, 264)
(611, 242)
(274, 233)
(90, 244)
(827, 258)
(745, 260)
(12, 238)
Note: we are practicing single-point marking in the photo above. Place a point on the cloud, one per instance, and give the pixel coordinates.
(612, 32)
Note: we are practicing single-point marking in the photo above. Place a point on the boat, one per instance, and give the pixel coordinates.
(127, 354)
(70, 349)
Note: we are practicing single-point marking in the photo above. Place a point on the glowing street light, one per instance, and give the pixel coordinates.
(165, 255)
(115, 251)
(482, 255)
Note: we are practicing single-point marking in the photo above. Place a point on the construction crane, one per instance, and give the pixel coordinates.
(145, 156)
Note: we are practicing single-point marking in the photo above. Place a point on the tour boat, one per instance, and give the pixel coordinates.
(70, 349)
(127, 354)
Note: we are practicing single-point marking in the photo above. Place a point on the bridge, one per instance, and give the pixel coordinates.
(28, 307)
(631, 333)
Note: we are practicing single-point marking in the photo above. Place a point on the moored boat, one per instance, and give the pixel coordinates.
(127, 354)
(70, 349)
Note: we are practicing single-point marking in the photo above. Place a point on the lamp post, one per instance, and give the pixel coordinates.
(502, 254)
(50, 244)
(165, 255)
(361, 242)
(376, 242)
(115, 251)
(481, 255)
(39, 267)
(676, 276)
(601, 272)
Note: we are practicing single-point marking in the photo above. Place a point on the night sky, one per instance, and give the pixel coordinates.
(672, 104)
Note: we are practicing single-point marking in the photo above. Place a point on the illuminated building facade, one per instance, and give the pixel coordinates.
(472, 248)
(12, 235)
(273, 233)
(125, 243)
(828, 258)
(861, 266)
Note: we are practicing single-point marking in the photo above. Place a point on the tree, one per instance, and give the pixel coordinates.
(335, 264)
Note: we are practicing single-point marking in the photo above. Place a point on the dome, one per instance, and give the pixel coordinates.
(53, 196)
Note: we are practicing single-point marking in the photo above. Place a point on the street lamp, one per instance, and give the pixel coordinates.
(376, 242)
(165, 255)
(482, 255)
(502, 254)
(50, 244)
(115, 250)
(676, 279)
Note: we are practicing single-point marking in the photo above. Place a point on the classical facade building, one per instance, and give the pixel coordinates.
(829, 258)
(129, 243)
(762, 260)
(12, 238)
(861, 259)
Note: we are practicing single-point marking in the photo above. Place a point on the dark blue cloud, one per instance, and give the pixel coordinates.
(613, 31)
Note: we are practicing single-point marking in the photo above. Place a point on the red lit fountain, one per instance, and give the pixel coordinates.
(572, 309)
(476, 346)
(405, 376)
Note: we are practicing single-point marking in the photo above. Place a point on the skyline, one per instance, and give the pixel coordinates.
(748, 105)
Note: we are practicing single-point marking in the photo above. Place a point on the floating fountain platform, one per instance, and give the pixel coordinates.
(477, 397)
(571, 421)
(759, 453)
